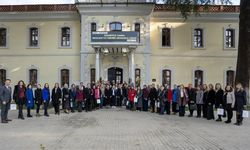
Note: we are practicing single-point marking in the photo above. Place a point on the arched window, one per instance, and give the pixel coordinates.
(93, 26)
(33, 37)
(138, 29)
(166, 77)
(33, 76)
(65, 36)
(115, 26)
(166, 37)
(230, 77)
(64, 76)
(92, 75)
(2, 76)
(137, 77)
(230, 38)
(198, 38)
(198, 77)
(3, 37)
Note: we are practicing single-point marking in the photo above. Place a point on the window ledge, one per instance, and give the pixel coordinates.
(199, 48)
(33, 47)
(4, 47)
(230, 49)
(166, 47)
(65, 47)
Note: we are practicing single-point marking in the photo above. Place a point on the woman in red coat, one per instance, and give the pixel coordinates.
(131, 96)
(80, 96)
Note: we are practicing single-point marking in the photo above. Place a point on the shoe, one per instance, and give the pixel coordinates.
(46, 115)
(198, 116)
(29, 116)
(8, 120)
(190, 115)
(218, 120)
(4, 121)
(236, 123)
(228, 121)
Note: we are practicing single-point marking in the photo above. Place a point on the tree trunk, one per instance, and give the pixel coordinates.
(243, 61)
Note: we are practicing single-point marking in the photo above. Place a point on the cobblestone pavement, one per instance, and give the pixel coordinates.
(119, 129)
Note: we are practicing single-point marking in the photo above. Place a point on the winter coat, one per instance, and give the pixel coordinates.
(80, 96)
(131, 94)
(97, 92)
(240, 100)
(46, 94)
(139, 98)
(230, 98)
(56, 95)
(219, 99)
(16, 95)
(38, 96)
(29, 98)
(169, 95)
(211, 97)
(175, 94)
(191, 95)
(182, 101)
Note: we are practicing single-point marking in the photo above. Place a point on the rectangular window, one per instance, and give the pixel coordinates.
(137, 77)
(3, 37)
(198, 38)
(230, 78)
(65, 37)
(2, 76)
(93, 26)
(64, 76)
(33, 37)
(92, 75)
(198, 78)
(138, 29)
(166, 37)
(166, 77)
(33, 77)
(230, 38)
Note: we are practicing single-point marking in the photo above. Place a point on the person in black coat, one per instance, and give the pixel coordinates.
(240, 103)
(192, 99)
(210, 102)
(65, 98)
(87, 92)
(119, 96)
(19, 97)
(108, 94)
(205, 104)
(56, 96)
(38, 99)
(153, 94)
(219, 102)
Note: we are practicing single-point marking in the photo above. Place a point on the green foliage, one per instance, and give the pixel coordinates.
(188, 7)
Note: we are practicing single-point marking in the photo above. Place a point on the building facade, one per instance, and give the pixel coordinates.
(135, 42)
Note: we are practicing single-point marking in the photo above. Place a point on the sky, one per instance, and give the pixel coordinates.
(20, 2)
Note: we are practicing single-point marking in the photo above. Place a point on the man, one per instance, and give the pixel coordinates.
(153, 97)
(5, 99)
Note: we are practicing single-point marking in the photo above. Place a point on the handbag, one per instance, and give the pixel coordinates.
(98, 101)
(220, 111)
(193, 107)
(135, 100)
(245, 114)
(13, 107)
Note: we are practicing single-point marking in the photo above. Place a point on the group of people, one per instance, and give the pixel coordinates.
(159, 99)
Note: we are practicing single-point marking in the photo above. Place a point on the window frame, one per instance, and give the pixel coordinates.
(91, 29)
(194, 77)
(138, 69)
(162, 79)
(235, 38)
(60, 37)
(92, 76)
(116, 23)
(69, 38)
(170, 37)
(69, 74)
(226, 76)
(29, 37)
(6, 37)
(3, 69)
(29, 76)
(135, 24)
(203, 37)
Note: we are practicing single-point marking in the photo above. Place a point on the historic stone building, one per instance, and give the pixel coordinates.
(138, 42)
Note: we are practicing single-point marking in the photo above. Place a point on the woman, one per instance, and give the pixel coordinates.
(19, 97)
(46, 98)
(65, 98)
(162, 99)
(139, 99)
(182, 100)
(205, 104)
(29, 99)
(131, 96)
(80, 96)
(210, 102)
(56, 96)
(219, 103)
(240, 102)
(107, 95)
(38, 99)
(175, 92)
(199, 100)
(168, 99)
(145, 93)
(229, 99)
(72, 93)
(97, 92)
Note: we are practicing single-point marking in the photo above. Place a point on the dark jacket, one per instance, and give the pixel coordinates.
(219, 99)
(153, 94)
(65, 94)
(240, 100)
(191, 95)
(38, 96)
(16, 97)
(56, 95)
(211, 97)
